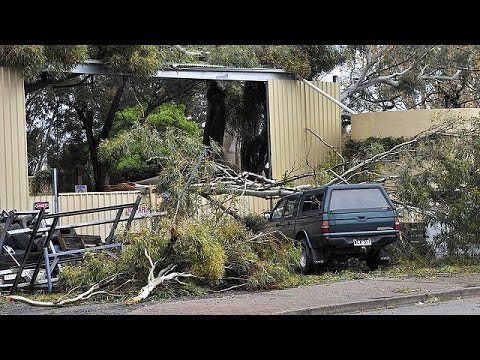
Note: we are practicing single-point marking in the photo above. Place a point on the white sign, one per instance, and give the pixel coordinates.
(80, 188)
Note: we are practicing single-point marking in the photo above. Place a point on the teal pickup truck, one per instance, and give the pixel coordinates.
(340, 222)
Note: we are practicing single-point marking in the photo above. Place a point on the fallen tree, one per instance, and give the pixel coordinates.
(227, 181)
(224, 255)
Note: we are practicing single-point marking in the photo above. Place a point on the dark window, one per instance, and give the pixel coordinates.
(278, 211)
(312, 202)
(291, 207)
(354, 199)
(285, 208)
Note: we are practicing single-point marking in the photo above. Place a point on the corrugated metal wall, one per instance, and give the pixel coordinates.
(257, 205)
(405, 123)
(294, 107)
(13, 142)
(244, 204)
(80, 201)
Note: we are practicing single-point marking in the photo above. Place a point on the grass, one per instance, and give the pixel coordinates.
(402, 290)
(355, 271)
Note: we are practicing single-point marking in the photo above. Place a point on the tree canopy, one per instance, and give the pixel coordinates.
(384, 77)
(145, 60)
(69, 114)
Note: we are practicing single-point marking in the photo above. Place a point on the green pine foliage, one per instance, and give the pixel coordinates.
(443, 179)
(221, 253)
(30, 60)
(140, 149)
(355, 150)
(172, 115)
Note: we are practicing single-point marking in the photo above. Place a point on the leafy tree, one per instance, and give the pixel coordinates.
(136, 154)
(306, 60)
(443, 179)
(31, 60)
(172, 154)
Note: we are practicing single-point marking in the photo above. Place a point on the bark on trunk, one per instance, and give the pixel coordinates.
(87, 118)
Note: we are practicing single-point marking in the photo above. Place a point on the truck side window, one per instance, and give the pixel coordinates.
(291, 207)
(278, 211)
(312, 202)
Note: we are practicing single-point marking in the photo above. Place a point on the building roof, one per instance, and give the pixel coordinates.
(195, 71)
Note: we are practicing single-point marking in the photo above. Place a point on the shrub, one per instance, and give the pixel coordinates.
(202, 252)
(221, 253)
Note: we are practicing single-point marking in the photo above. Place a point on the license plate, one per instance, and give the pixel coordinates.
(8, 277)
(365, 242)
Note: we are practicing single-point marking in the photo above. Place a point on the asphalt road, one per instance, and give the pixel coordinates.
(467, 306)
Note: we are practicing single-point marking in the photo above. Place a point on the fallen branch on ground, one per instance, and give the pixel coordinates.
(153, 282)
(229, 288)
(59, 303)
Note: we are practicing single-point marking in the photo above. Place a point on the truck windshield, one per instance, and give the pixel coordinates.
(355, 199)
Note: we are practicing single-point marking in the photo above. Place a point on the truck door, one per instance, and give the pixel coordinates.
(283, 216)
(310, 216)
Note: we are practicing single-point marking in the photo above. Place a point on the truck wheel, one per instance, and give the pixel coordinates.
(306, 259)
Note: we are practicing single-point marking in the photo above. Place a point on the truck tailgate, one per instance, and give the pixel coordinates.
(361, 221)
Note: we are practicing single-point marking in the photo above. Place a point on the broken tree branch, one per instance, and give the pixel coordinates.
(424, 134)
(442, 77)
(190, 178)
(218, 204)
(327, 144)
(338, 176)
(164, 275)
(267, 233)
(200, 54)
(59, 303)
(229, 288)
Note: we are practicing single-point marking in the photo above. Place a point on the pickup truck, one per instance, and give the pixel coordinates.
(338, 222)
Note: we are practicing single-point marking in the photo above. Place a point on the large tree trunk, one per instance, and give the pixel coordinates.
(254, 151)
(216, 119)
(87, 117)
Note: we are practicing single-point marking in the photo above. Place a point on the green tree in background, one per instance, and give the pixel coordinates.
(442, 178)
(133, 153)
(384, 77)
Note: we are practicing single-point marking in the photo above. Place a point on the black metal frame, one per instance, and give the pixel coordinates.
(50, 229)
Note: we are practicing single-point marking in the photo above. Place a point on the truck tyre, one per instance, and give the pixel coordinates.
(306, 259)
